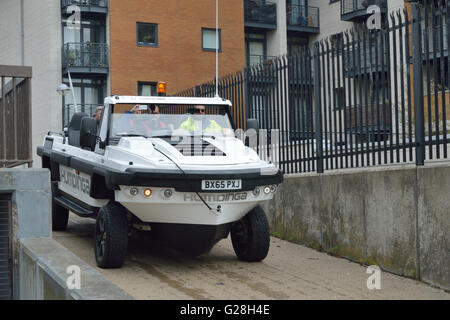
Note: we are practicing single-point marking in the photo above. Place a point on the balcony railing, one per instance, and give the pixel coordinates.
(94, 6)
(91, 57)
(260, 14)
(365, 60)
(354, 10)
(69, 110)
(303, 18)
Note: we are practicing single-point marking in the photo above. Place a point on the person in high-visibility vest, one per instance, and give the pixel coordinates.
(194, 123)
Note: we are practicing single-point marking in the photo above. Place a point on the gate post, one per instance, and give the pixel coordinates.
(318, 110)
(419, 122)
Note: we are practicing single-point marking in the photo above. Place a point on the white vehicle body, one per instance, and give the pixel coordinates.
(123, 170)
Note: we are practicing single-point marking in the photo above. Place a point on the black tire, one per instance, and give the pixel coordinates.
(60, 215)
(250, 236)
(111, 236)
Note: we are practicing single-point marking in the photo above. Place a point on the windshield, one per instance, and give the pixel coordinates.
(167, 121)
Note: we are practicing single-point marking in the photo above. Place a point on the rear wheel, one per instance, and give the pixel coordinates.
(250, 236)
(60, 215)
(111, 236)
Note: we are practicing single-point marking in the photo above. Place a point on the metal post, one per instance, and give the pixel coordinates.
(418, 85)
(318, 110)
(245, 84)
(73, 92)
(197, 91)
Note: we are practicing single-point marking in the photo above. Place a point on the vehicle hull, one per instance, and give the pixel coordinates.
(188, 207)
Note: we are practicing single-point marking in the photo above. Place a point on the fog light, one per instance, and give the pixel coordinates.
(168, 193)
(134, 192)
(256, 192)
(266, 190)
(273, 188)
(147, 192)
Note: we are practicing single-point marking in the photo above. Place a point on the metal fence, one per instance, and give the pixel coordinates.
(357, 100)
(15, 116)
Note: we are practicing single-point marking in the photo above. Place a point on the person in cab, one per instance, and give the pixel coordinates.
(196, 122)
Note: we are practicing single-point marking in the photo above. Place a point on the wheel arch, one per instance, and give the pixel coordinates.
(99, 189)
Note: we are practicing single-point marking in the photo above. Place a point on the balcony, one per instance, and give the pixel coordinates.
(260, 14)
(356, 10)
(88, 8)
(85, 58)
(303, 19)
(361, 62)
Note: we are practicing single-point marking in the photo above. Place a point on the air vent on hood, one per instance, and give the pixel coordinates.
(196, 148)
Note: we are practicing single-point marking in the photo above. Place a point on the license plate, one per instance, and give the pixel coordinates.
(221, 184)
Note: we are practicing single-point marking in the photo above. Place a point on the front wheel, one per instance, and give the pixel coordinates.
(111, 236)
(250, 236)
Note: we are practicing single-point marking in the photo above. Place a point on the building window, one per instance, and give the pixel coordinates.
(295, 45)
(209, 39)
(147, 34)
(147, 89)
(255, 49)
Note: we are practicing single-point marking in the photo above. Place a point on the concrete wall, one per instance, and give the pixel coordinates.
(394, 217)
(41, 51)
(10, 32)
(277, 39)
(39, 263)
(43, 274)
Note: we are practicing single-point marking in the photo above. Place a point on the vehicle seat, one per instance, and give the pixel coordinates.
(74, 128)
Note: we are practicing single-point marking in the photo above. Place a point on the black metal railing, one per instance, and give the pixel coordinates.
(260, 12)
(336, 119)
(84, 3)
(302, 16)
(69, 110)
(86, 55)
(357, 8)
(435, 39)
(365, 58)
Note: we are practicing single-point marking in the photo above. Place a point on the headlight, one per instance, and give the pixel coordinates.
(267, 190)
(273, 188)
(256, 191)
(148, 192)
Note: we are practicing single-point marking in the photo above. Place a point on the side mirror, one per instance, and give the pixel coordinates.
(88, 133)
(253, 124)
